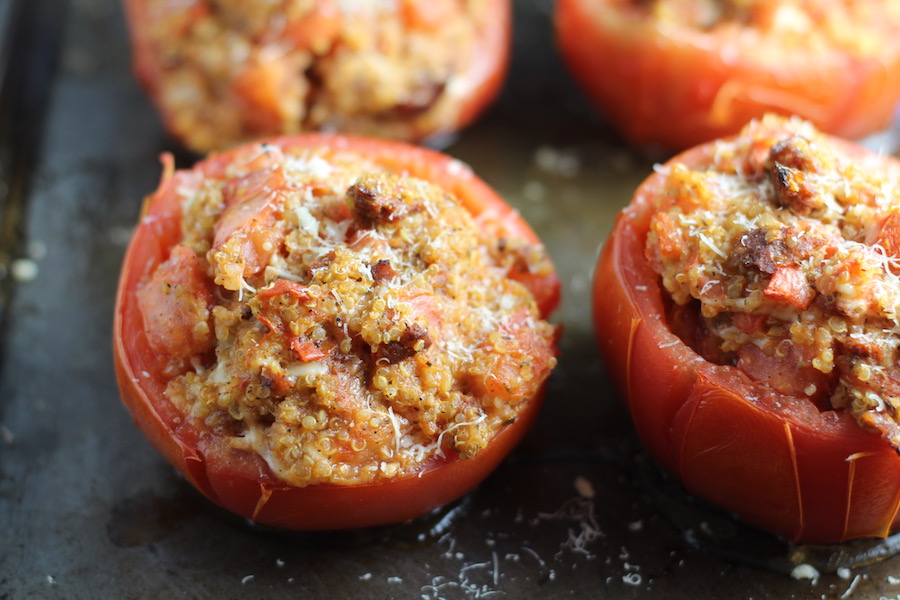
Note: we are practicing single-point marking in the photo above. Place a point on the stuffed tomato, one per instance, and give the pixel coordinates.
(746, 304)
(227, 71)
(331, 332)
(675, 73)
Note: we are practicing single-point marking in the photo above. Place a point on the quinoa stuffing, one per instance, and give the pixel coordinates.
(228, 71)
(347, 324)
(781, 258)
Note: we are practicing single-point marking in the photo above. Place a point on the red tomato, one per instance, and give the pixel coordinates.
(241, 481)
(663, 82)
(774, 460)
(229, 71)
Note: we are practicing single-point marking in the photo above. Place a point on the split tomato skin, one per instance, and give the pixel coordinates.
(775, 461)
(678, 87)
(241, 481)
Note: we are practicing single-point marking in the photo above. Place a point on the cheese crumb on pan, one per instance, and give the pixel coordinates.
(346, 324)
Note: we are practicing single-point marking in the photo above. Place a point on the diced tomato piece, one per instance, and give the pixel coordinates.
(306, 350)
(174, 304)
(789, 284)
(889, 234)
(262, 86)
(285, 286)
(669, 236)
(749, 322)
(424, 307)
(316, 30)
(249, 218)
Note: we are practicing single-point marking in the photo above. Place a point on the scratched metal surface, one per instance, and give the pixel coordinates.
(89, 510)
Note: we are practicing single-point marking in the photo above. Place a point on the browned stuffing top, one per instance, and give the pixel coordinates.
(781, 257)
(348, 325)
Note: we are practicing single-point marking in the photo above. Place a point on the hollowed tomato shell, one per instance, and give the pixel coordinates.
(775, 461)
(676, 87)
(242, 482)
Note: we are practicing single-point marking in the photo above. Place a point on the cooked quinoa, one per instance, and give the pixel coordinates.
(781, 258)
(226, 71)
(347, 324)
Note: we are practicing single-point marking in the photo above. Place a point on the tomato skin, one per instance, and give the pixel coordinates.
(240, 481)
(776, 462)
(678, 89)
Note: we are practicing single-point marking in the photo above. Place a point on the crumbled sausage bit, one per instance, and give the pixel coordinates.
(766, 249)
(379, 198)
(758, 251)
(794, 191)
(792, 163)
(323, 262)
(414, 339)
(383, 271)
(795, 152)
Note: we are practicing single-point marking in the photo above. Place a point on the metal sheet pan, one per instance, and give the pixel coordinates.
(89, 510)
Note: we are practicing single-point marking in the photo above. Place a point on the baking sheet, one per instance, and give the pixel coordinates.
(89, 510)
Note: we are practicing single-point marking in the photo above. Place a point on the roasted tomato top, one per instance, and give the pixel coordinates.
(226, 71)
(313, 324)
(677, 73)
(747, 304)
